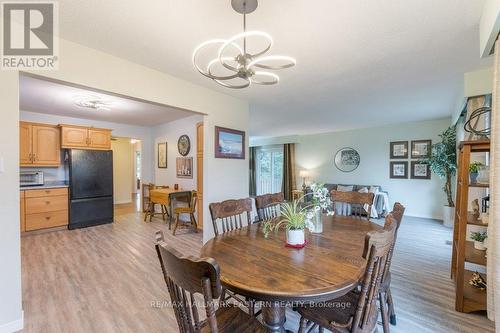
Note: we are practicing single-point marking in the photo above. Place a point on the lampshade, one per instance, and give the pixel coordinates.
(303, 173)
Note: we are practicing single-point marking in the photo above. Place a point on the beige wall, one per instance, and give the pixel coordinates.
(123, 170)
(81, 65)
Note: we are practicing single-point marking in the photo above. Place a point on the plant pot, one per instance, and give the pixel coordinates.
(479, 246)
(295, 237)
(473, 177)
(448, 216)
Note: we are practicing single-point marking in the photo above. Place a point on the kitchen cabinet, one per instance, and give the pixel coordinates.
(21, 206)
(85, 137)
(45, 208)
(39, 144)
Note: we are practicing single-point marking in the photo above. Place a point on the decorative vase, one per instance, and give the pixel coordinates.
(317, 222)
(295, 237)
(473, 177)
(448, 216)
(479, 246)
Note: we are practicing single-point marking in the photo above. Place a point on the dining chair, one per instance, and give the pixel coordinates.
(386, 302)
(356, 311)
(268, 205)
(150, 210)
(361, 203)
(231, 214)
(186, 277)
(190, 210)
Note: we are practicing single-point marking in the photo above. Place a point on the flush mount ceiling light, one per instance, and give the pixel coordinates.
(93, 102)
(235, 66)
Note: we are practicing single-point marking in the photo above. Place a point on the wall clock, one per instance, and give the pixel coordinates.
(184, 145)
(347, 159)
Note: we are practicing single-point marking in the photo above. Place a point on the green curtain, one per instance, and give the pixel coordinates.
(288, 170)
(253, 170)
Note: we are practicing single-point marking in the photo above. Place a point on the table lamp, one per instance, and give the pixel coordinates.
(303, 174)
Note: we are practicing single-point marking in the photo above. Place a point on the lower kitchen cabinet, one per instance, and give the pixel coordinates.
(44, 208)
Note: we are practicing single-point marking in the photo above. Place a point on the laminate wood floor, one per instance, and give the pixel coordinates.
(107, 279)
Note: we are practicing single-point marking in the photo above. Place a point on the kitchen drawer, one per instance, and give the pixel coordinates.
(46, 204)
(46, 220)
(46, 192)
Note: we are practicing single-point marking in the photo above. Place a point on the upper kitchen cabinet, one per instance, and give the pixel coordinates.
(39, 144)
(85, 137)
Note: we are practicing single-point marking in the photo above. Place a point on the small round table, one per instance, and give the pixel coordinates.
(265, 270)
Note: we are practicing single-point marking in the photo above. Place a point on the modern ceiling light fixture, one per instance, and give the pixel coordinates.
(240, 67)
(93, 102)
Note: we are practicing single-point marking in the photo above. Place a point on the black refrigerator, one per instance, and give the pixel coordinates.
(91, 187)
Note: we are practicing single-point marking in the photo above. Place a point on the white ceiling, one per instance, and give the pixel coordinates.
(359, 63)
(38, 95)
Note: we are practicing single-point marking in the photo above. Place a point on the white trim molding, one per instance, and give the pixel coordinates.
(13, 326)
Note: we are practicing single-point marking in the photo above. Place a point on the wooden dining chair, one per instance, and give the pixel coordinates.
(230, 214)
(361, 203)
(150, 209)
(355, 312)
(386, 302)
(186, 277)
(190, 210)
(268, 205)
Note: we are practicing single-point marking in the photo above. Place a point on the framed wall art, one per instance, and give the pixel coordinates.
(347, 159)
(420, 170)
(229, 143)
(399, 170)
(399, 149)
(162, 155)
(421, 148)
(184, 167)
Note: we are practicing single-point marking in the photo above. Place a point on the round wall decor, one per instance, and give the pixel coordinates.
(347, 159)
(184, 145)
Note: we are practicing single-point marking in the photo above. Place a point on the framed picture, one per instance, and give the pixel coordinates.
(229, 143)
(421, 148)
(184, 145)
(399, 170)
(162, 155)
(399, 149)
(347, 159)
(184, 167)
(420, 170)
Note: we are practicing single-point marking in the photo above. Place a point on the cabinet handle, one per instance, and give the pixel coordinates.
(30, 157)
(34, 157)
(47, 202)
(47, 217)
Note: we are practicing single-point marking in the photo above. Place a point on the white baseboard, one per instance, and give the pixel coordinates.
(13, 326)
(122, 202)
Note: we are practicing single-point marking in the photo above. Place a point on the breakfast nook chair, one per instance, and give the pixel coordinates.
(190, 210)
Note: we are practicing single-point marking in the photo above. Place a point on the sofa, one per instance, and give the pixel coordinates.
(379, 202)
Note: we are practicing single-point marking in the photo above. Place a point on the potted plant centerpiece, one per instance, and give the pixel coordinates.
(293, 219)
(320, 203)
(443, 162)
(479, 238)
(474, 171)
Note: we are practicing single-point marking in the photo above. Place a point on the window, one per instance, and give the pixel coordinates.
(269, 169)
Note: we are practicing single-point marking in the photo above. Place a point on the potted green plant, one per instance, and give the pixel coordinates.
(443, 162)
(474, 171)
(293, 219)
(478, 237)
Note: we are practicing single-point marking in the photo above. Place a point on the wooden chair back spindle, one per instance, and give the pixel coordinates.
(186, 276)
(268, 205)
(357, 200)
(376, 251)
(230, 214)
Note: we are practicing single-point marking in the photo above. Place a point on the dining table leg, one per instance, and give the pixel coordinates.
(273, 314)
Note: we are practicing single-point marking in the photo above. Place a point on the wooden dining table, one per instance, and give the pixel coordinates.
(276, 276)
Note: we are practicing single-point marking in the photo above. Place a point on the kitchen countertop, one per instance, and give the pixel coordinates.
(48, 184)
